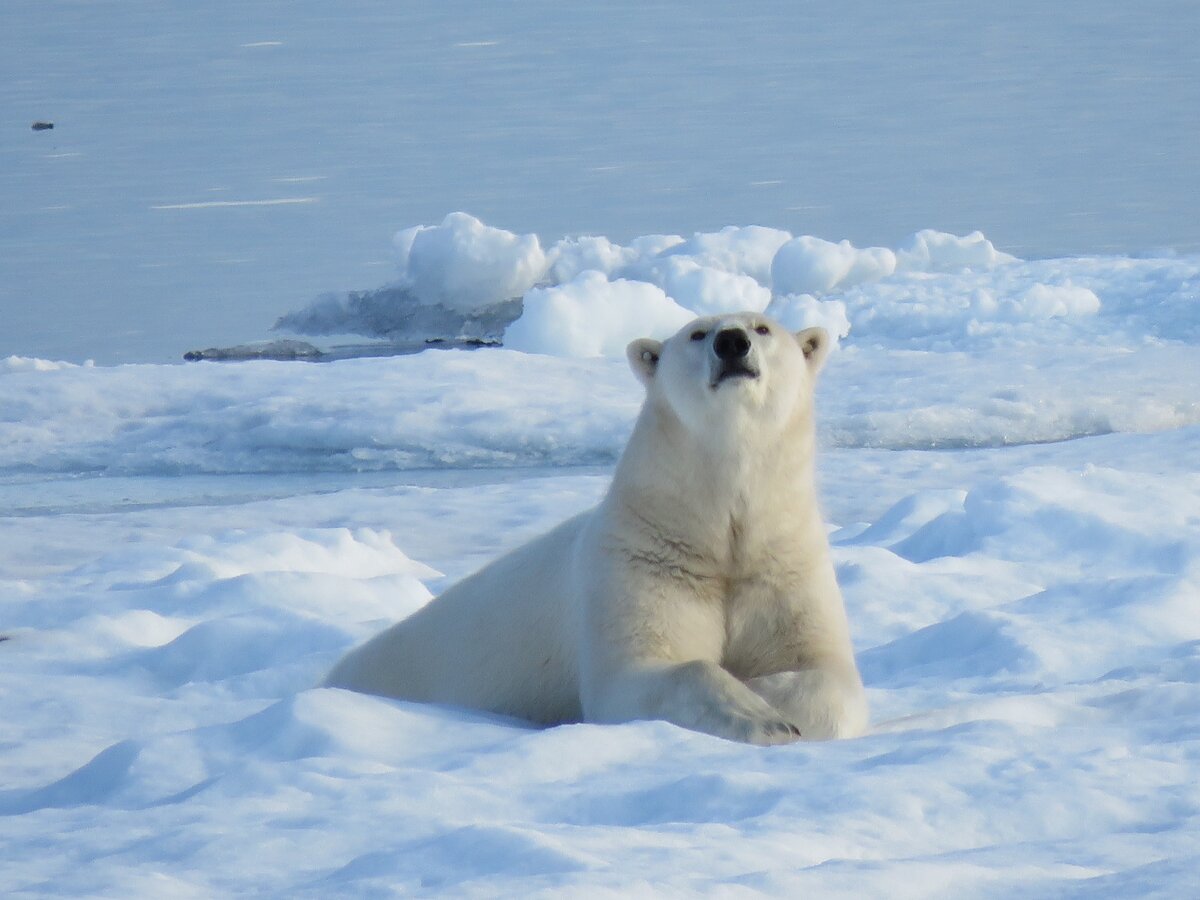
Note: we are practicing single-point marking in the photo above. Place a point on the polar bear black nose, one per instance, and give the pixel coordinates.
(731, 343)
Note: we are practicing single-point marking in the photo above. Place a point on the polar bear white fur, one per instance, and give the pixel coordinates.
(699, 591)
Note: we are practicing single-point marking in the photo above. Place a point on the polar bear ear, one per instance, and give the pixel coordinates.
(643, 358)
(815, 344)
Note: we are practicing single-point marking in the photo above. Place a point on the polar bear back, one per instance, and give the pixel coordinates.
(499, 640)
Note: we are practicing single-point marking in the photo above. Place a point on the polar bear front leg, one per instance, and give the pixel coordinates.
(826, 701)
(651, 651)
(699, 695)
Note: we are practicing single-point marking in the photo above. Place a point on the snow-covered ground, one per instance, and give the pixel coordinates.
(1009, 473)
(1009, 429)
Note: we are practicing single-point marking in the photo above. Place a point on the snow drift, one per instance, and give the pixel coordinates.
(957, 345)
(588, 296)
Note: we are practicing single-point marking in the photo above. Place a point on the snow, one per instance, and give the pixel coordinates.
(799, 311)
(810, 265)
(1008, 431)
(1005, 353)
(592, 316)
(596, 294)
(1027, 638)
(574, 255)
(934, 251)
(1008, 474)
(706, 291)
(747, 249)
(463, 264)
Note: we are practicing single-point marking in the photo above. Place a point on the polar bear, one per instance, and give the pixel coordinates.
(699, 591)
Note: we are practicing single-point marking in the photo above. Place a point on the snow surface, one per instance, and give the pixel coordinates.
(1009, 474)
(1009, 432)
(959, 346)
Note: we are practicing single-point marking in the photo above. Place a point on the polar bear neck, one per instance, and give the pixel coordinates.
(741, 447)
(716, 495)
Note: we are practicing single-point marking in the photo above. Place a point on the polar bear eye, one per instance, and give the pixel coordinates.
(699, 335)
(763, 329)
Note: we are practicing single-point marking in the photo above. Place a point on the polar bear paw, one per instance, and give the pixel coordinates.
(763, 732)
(826, 703)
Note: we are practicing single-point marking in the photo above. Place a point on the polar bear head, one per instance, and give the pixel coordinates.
(717, 370)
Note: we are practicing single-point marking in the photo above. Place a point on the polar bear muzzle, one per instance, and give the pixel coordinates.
(731, 346)
(731, 343)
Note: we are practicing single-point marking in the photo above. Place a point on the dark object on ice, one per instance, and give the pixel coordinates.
(394, 314)
(461, 342)
(403, 324)
(285, 349)
(42, 126)
(292, 350)
(402, 347)
(4, 637)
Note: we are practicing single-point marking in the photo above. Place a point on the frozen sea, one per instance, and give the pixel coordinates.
(216, 165)
(1009, 432)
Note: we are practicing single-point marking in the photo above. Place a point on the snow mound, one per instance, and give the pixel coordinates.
(357, 553)
(463, 265)
(574, 255)
(31, 364)
(463, 280)
(799, 311)
(809, 265)
(1044, 301)
(936, 251)
(466, 280)
(704, 291)
(747, 250)
(592, 316)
